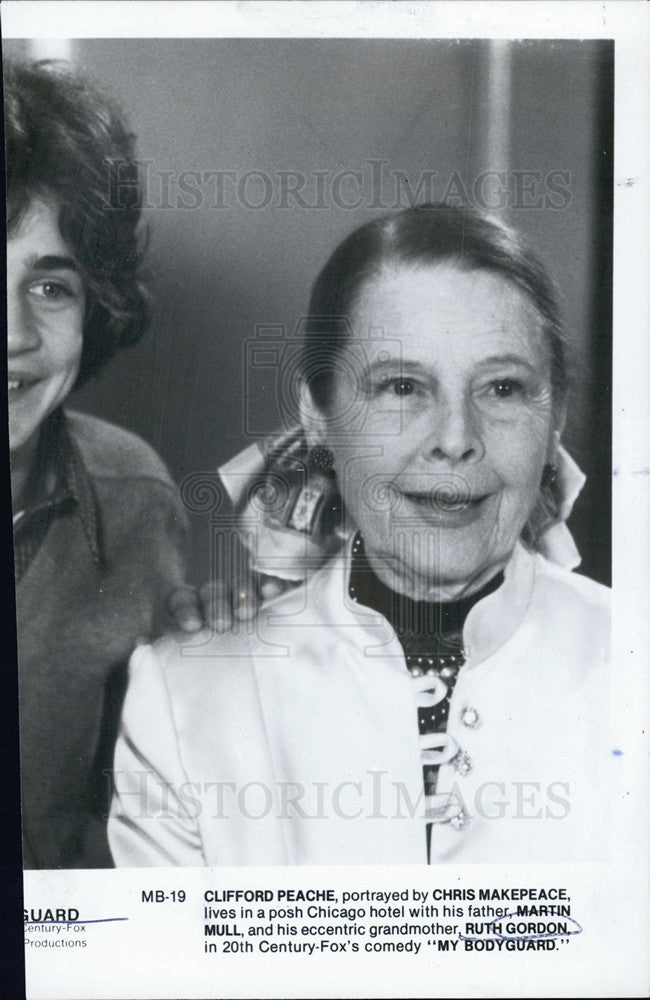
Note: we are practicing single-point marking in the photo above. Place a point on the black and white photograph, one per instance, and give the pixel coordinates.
(314, 424)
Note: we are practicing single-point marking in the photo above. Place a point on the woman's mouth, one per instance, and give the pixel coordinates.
(447, 499)
(447, 506)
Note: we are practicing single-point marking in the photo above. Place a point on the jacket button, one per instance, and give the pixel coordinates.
(470, 717)
(460, 821)
(462, 762)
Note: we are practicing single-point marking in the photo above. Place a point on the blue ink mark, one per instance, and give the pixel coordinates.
(617, 753)
(104, 920)
(536, 937)
(615, 472)
(524, 937)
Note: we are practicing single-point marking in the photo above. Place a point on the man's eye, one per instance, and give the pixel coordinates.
(50, 290)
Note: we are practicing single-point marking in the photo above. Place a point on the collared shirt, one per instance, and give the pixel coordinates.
(98, 550)
(57, 483)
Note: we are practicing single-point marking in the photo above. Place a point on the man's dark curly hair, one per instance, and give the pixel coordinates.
(68, 142)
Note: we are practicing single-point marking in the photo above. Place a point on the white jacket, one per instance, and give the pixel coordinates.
(298, 743)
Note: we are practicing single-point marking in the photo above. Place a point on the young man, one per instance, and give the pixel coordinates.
(97, 524)
(98, 529)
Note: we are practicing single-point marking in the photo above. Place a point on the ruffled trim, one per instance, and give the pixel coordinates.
(555, 542)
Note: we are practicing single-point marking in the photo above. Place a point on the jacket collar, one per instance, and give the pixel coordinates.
(58, 477)
(489, 625)
(497, 617)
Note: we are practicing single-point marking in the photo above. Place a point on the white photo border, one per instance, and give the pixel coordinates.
(621, 966)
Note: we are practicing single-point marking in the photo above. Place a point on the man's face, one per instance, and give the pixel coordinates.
(46, 306)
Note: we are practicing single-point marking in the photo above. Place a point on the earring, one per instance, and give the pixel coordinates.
(548, 495)
(549, 476)
(320, 458)
(546, 510)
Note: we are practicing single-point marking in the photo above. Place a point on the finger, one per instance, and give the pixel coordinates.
(238, 577)
(245, 599)
(183, 608)
(216, 605)
(271, 587)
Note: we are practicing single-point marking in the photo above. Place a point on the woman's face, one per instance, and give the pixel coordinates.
(440, 423)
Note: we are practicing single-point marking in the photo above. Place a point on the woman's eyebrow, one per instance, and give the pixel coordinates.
(53, 262)
(393, 361)
(412, 365)
(509, 359)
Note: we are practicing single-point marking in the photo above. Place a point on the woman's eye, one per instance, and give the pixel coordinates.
(398, 386)
(504, 388)
(403, 387)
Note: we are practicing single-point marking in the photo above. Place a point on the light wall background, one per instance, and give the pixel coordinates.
(452, 108)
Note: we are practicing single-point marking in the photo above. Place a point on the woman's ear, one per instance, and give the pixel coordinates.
(311, 417)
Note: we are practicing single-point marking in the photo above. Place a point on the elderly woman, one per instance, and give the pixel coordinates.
(436, 690)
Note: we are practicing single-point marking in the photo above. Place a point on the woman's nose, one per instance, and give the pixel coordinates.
(22, 328)
(455, 432)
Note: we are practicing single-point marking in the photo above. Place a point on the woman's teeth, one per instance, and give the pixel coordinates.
(452, 504)
(445, 502)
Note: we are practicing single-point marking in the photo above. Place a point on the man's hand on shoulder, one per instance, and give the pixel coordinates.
(217, 604)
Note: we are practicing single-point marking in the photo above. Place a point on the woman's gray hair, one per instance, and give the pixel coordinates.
(428, 234)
